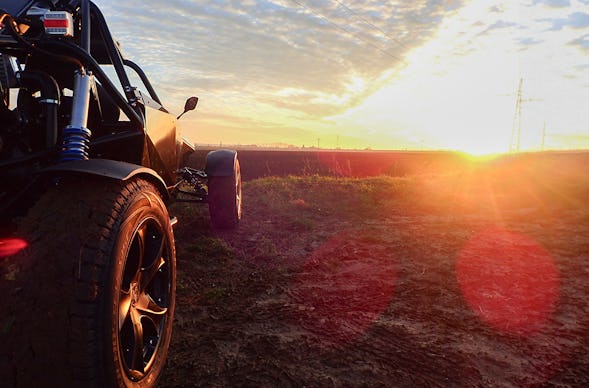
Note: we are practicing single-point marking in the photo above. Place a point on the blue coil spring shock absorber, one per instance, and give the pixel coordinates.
(75, 144)
(76, 137)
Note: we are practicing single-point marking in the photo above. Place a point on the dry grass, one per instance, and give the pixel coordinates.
(470, 278)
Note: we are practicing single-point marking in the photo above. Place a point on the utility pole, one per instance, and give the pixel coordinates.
(516, 130)
(543, 136)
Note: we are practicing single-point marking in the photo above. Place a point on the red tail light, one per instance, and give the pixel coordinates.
(58, 23)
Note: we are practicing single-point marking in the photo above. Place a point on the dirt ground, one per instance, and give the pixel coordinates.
(387, 282)
(475, 278)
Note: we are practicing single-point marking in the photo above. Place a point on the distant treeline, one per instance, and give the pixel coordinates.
(261, 163)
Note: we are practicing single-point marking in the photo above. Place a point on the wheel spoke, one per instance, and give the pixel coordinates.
(138, 361)
(150, 273)
(141, 237)
(133, 264)
(124, 307)
(153, 244)
(151, 309)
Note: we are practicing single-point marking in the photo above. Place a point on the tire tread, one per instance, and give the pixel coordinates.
(94, 214)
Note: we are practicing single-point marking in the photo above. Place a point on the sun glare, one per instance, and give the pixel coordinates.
(509, 280)
(450, 95)
(346, 285)
(482, 157)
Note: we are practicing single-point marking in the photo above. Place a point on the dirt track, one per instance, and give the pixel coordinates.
(368, 283)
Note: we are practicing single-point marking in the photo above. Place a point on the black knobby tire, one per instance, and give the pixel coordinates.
(224, 198)
(92, 297)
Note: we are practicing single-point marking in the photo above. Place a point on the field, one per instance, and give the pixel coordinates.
(259, 163)
(475, 275)
(364, 269)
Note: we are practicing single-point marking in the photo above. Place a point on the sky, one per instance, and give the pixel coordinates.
(421, 74)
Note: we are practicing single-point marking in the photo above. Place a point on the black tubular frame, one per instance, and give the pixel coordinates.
(94, 66)
(114, 53)
(129, 103)
(144, 79)
(86, 25)
(93, 25)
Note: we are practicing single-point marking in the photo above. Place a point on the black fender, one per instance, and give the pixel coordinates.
(108, 168)
(221, 163)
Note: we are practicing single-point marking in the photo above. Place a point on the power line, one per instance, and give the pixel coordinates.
(372, 24)
(346, 31)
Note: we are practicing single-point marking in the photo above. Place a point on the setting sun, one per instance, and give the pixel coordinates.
(468, 101)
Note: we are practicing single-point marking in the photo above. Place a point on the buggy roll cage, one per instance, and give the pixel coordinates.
(95, 38)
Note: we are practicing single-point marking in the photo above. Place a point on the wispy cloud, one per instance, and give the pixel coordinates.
(553, 3)
(260, 48)
(577, 20)
(581, 43)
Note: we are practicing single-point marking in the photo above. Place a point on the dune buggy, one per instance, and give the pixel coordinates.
(88, 166)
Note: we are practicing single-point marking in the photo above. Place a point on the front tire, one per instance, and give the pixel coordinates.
(224, 198)
(97, 288)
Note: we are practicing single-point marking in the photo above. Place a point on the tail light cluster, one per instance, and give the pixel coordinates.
(58, 23)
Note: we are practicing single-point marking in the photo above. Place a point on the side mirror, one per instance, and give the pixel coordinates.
(190, 104)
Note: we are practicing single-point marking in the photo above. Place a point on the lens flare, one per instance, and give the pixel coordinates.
(508, 280)
(345, 286)
(11, 246)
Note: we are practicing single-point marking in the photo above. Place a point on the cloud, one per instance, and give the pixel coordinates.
(288, 69)
(576, 20)
(581, 43)
(529, 41)
(258, 48)
(501, 24)
(553, 3)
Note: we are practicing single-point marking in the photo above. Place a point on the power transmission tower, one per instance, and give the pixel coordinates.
(516, 129)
